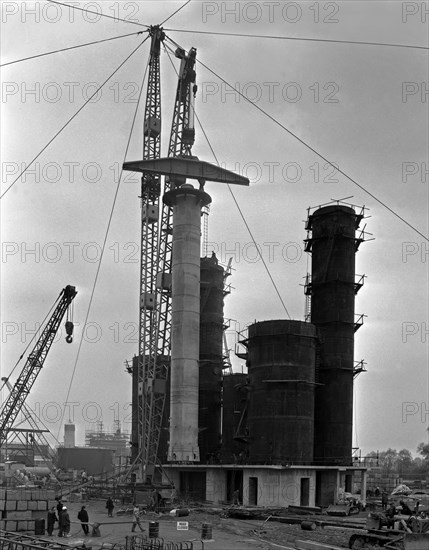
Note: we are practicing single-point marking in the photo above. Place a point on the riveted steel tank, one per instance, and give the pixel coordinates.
(333, 290)
(281, 370)
(211, 357)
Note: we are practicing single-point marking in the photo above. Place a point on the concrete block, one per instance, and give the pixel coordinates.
(42, 505)
(32, 505)
(10, 525)
(52, 503)
(2, 493)
(2, 505)
(12, 494)
(10, 505)
(22, 525)
(19, 515)
(27, 494)
(2, 524)
(50, 494)
(36, 514)
(21, 505)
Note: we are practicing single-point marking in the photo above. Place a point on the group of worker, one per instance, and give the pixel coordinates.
(59, 513)
(390, 510)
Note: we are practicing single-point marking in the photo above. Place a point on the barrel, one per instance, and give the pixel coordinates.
(308, 525)
(181, 512)
(206, 533)
(39, 526)
(153, 529)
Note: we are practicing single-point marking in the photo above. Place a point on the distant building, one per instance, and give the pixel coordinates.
(116, 441)
(69, 436)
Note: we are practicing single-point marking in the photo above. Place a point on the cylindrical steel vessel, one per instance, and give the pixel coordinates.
(332, 312)
(281, 367)
(211, 359)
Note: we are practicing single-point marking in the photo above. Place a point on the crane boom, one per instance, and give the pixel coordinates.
(34, 364)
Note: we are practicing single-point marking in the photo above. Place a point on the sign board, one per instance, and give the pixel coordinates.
(182, 526)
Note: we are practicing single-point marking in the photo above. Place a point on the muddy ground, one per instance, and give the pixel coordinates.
(284, 533)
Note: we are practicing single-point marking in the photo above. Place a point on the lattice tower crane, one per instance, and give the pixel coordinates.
(150, 193)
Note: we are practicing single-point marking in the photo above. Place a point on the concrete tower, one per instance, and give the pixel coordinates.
(185, 321)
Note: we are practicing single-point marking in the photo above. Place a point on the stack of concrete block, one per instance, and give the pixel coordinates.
(386, 482)
(21, 506)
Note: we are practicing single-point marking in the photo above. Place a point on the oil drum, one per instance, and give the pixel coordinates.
(153, 529)
(206, 533)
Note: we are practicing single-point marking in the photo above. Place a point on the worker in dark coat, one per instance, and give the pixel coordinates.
(59, 507)
(405, 509)
(84, 518)
(110, 506)
(52, 518)
(64, 523)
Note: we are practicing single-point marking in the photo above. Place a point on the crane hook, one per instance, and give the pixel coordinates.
(69, 329)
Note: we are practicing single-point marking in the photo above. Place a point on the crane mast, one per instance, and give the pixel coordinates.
(150, 193)
(34, 363)
(156, 251)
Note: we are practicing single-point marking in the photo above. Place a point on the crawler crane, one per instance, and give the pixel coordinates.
(32, 367)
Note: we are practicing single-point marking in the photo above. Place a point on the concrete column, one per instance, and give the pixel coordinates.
(185, 321)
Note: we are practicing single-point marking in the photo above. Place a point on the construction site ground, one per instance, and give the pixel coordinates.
(228, 533)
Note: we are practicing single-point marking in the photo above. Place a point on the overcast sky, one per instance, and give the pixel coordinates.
(363, 107)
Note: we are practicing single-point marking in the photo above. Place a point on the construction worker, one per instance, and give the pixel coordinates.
(405, 509)
(52, 518)
(64, 530)
(110, 506)
(59, 507)
(84, 519)
(136, 519)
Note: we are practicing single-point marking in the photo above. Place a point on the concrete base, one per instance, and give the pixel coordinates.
(262, 485)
